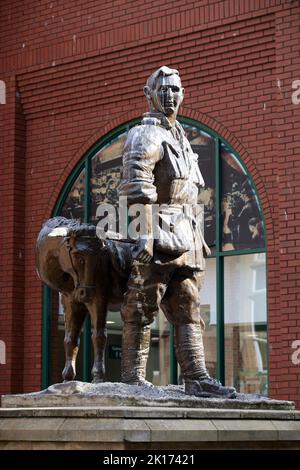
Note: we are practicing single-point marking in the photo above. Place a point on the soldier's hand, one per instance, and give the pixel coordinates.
(144, 257)
(143, 251)
(207, 250)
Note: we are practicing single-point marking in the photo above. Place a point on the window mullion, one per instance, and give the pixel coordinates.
(220, 319)
(87, 323)
(219, 266)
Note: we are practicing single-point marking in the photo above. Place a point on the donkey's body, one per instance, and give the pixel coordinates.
(89, 273)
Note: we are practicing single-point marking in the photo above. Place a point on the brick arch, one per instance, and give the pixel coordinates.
(198, 116)
(88, 144)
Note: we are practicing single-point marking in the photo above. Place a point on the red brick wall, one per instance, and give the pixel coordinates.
(13, 179)
(79, 68)
(285, 321)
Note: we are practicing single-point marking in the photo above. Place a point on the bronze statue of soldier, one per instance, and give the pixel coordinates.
(159, 167)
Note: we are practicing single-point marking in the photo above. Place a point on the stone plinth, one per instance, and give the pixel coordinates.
(117, 416)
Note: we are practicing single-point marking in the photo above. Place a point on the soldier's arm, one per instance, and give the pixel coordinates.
(141, 153)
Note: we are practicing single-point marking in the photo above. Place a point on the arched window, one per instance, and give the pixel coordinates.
(233, 299)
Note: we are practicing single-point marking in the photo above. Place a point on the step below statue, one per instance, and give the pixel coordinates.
(161, 170)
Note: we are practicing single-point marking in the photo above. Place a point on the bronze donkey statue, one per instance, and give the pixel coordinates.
(89, 273)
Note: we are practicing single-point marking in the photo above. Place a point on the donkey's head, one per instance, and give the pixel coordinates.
(79, 256)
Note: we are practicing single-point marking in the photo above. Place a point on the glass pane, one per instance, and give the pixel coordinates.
(73, 207)
(246, 364)
(158, 367)
(241, 217)
(209, 315)
(204, 145)
(159, 357)
(113, 351)
(105, 175)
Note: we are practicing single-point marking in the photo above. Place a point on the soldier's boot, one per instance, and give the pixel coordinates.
(190, 355)
(135, 350)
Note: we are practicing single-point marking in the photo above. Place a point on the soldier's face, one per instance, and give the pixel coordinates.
(168, 94)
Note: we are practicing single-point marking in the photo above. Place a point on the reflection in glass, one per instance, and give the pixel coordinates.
(105, 175)
(209, 315)
(246, 323)
(242, 222)
(203, 144)
(73, 207)
(208, 310)
(158, 364)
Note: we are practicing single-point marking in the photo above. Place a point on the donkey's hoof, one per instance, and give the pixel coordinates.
(68, 374)
(97, 380)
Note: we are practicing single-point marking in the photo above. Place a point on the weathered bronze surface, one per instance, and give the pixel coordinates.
(159, 167)
(163, 269)
(89, 273)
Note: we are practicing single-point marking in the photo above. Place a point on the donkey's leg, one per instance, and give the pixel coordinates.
(98, 312)
(74, 317)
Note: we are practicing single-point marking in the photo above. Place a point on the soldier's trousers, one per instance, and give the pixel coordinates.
(176, 291)
(172, 288)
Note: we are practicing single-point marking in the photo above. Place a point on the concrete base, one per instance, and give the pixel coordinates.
(101, 417)
(112, 428)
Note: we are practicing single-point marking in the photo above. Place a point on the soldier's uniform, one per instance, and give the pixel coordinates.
(159, 167)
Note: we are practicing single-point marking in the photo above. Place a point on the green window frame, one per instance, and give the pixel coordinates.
(218, 254)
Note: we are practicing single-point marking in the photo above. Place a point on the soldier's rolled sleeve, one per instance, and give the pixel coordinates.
(141, 153)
